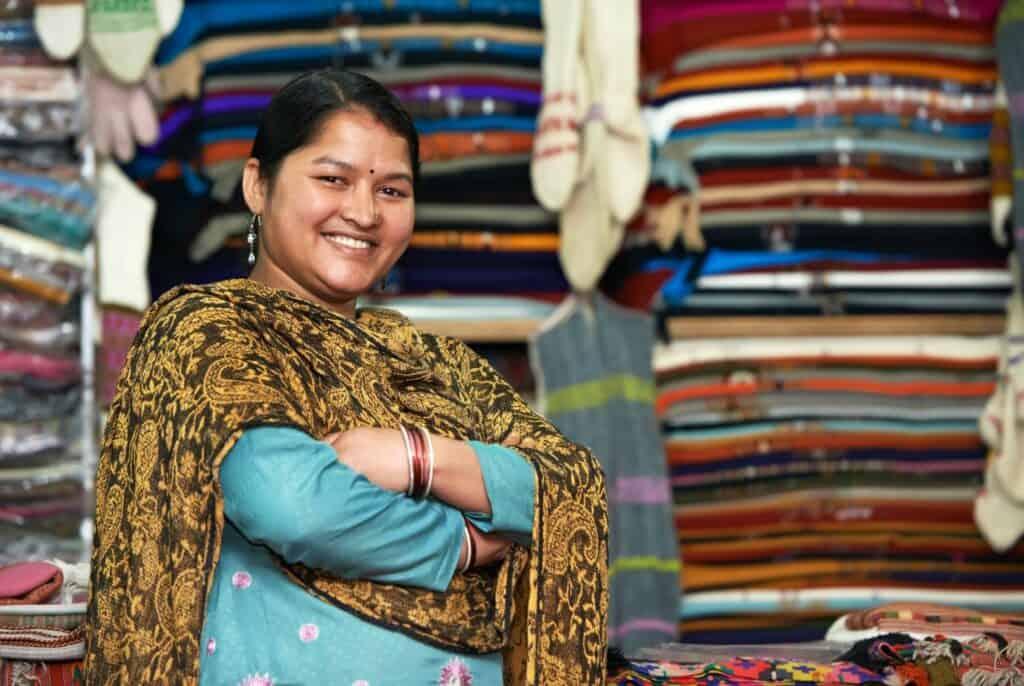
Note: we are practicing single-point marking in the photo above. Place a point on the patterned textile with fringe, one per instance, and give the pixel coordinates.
(988, 659)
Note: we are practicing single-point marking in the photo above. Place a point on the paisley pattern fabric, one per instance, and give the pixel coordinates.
(211, 361)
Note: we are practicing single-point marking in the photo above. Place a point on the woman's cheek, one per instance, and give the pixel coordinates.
(315, 207)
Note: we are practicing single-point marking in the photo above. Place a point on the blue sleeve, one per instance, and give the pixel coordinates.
(287, 491)
(509, 480)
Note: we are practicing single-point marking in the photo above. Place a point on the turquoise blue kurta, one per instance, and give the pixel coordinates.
(285, 491)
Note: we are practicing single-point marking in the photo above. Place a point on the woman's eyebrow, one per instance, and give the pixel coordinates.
(333, 162)
(345, 166)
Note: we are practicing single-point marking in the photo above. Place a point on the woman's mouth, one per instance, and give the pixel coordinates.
(348, 242)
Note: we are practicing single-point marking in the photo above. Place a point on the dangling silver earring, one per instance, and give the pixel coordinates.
(254, 225)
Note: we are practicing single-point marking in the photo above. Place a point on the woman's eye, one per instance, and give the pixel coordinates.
(334, 180)
(393, 192)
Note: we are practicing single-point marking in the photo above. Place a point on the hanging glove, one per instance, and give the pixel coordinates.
(120, 115)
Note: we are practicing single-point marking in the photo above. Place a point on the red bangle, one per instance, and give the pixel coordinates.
(418, 463)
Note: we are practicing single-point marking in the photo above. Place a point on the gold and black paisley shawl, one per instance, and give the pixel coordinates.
(210, 361)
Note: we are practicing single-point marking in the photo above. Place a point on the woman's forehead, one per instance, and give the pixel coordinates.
(351, 135)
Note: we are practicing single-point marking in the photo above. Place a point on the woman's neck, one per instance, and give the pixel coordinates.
(268, 275)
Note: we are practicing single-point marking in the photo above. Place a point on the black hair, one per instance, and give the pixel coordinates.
(298, 111)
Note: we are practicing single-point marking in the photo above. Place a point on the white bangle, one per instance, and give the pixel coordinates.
(469, 548)
(408, 457)
(430, 457)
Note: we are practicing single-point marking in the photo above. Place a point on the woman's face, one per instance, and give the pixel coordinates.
(338, 215)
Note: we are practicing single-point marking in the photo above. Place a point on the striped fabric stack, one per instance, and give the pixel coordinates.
(46, 216)
(813, 477)
(817, 157)
(821, 157)
(468, 70)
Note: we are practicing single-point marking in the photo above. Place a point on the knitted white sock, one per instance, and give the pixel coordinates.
(999, 507)
(168, 12)
(589, 234)
(60, 25)
(554, 166)
(123, 230)
(124, 37)
(610, 41)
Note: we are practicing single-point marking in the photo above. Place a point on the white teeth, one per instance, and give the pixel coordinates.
(348, 242)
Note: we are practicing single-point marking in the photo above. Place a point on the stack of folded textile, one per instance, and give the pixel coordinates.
(46, 215)
(988, 658)
(817, 157)
(469, 72)
(816, 476)
(746, 671)
(921, 620)
(742, 665)
(42, 639)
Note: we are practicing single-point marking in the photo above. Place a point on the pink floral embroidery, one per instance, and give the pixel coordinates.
(257, 680)
(309, 633)
(241, 580)
(455, 673)
(361, 682)
(211, 646)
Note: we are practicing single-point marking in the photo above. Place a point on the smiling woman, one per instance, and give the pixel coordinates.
(294, 491)
(331, 176)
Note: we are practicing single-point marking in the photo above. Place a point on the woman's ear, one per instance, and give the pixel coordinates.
(254, 187)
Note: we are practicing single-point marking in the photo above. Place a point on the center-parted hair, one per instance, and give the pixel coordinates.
(299, 110)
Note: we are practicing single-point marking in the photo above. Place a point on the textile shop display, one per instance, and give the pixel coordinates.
(813, 477)
(469, 72)
(47, 210)
(592, 361)
(817, 158)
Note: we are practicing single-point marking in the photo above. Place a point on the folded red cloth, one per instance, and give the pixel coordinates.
(62, 673)
(28, 583)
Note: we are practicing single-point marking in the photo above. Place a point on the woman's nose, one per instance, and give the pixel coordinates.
(361, 208)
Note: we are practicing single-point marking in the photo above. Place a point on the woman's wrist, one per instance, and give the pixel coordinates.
(458, 479)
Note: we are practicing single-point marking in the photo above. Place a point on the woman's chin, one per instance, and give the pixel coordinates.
(342, 289)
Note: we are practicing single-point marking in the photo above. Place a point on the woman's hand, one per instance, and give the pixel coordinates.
(489, 548)
(377, 454)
